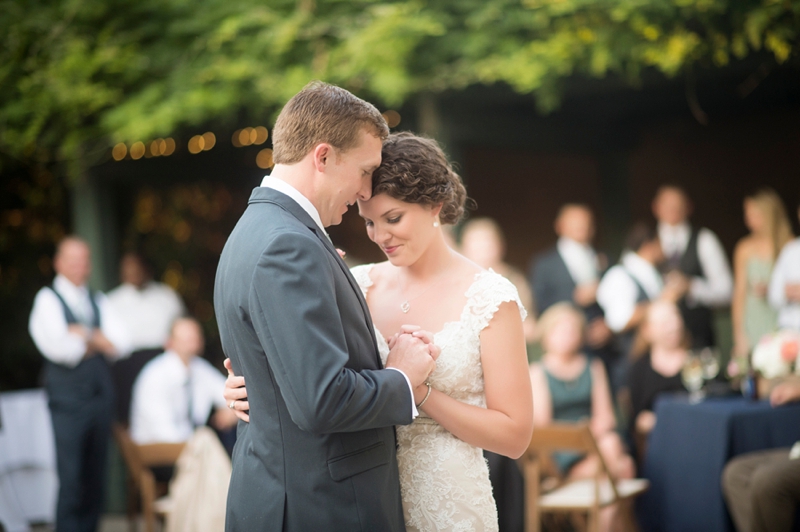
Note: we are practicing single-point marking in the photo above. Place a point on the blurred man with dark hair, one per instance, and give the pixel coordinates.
(77, 332)
(627, 288)
(698, 256)
(149, 308)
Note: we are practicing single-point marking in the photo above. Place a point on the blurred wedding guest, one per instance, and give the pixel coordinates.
(696, 254)
(178, 390)
(78, 333)
(762, 488)
(568, 386)
(784, 287)
(149, 308)
(626, 290)
(753, 260)
(659, 370)
(175, 397)
(482, 242)
(571, 272)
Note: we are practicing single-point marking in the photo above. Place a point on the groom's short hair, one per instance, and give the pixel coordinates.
(323, 113)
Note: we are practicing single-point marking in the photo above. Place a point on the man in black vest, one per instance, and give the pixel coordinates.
(696, 254)
(627, 289)
(77, 334)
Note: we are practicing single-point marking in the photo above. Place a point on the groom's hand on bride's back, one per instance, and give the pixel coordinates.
(235, 393)
(414, 354)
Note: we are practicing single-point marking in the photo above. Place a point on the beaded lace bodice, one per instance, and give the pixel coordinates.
(444, 481)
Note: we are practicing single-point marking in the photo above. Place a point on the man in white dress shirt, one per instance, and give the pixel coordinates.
(627, 289)
(149, 308)
(178, 390)
(784, 286)
(696, 254)
(77, 333)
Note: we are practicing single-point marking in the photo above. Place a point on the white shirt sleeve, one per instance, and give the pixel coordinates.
(777, 282)
(717, 287)
(113, 327)
(414, 411)
(617, 296)
(48, 328)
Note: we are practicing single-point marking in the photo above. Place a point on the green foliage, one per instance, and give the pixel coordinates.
(78, 76)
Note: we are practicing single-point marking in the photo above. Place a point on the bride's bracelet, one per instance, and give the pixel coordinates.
(426, 395)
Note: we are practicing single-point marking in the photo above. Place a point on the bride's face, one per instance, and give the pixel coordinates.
(402, 230)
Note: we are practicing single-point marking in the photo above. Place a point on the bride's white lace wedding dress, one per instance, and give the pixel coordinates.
(444, 481)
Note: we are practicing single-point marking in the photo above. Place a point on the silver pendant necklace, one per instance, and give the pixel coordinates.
(405, 306)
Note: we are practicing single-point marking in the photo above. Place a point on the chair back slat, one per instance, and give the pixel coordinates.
(563, 437)
(576, 437)
(160, 454)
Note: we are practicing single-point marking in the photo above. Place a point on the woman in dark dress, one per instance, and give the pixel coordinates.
(659, 370)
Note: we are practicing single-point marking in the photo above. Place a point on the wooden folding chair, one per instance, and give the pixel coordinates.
(139, 459)
(584, 496)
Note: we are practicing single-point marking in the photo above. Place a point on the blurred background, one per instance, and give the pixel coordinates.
(144, 125)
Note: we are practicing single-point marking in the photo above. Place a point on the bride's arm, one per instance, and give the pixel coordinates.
(506, 424)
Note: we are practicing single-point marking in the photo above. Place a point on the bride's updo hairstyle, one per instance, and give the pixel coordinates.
(415, 170)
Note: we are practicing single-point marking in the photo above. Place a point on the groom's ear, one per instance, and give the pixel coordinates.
(323, 156)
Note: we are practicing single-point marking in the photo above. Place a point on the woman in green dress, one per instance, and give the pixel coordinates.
(754, 257)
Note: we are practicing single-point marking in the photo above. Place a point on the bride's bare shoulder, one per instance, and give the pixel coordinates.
(467, 268)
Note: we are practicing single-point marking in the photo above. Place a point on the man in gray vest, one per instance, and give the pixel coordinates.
(319, 451)
(698, 256)
(77, 333)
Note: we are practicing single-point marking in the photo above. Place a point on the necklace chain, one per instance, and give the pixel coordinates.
(405, 306)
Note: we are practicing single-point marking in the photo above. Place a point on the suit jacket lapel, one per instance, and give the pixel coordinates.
(268, 195)
(352, 281)
(565, 270)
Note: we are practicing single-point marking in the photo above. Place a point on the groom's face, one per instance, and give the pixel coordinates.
(348, 177)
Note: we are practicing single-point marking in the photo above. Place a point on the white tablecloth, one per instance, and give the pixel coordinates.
(28, 478)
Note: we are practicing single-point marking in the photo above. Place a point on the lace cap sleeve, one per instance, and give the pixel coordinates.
(361, 275)
(486, 295)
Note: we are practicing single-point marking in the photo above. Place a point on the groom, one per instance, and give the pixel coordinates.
(319, 451)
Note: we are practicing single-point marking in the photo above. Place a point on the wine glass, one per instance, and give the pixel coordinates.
(692, 378)
(709, 360)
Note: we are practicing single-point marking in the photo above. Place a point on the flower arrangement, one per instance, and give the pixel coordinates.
(776, 354)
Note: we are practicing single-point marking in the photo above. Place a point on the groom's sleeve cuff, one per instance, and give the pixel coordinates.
(414, 411)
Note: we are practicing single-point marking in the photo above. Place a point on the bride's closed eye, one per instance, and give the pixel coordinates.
(394, 220)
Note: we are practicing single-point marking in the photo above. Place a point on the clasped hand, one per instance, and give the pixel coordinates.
(411, 350)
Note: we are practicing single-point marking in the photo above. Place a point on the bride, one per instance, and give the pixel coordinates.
(479, 395)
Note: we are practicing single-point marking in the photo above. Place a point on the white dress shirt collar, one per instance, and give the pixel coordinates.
(176, 360)
(285, 188)
(674, 238)
(645, 273)
(65, 287)
(581, 260)
(76, 297)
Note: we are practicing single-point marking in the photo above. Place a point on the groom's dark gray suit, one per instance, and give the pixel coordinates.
(319, 451)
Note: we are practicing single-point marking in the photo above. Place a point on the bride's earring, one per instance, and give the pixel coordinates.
(436, 223)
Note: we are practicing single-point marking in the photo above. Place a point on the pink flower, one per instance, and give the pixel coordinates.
(789, 350)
